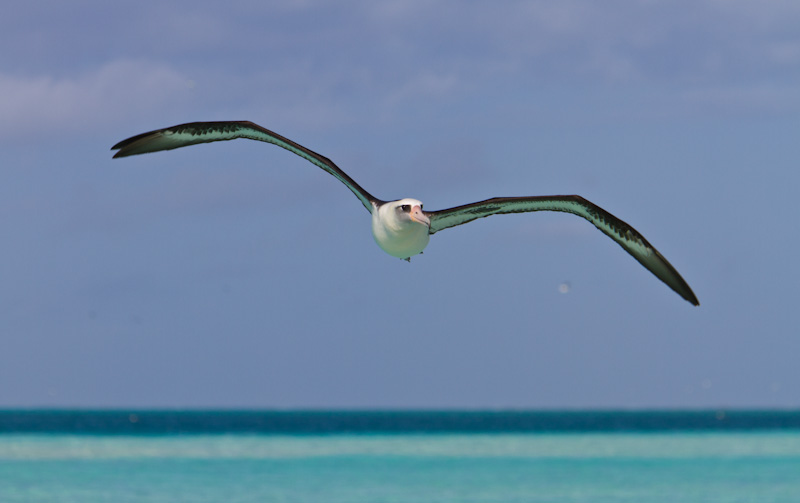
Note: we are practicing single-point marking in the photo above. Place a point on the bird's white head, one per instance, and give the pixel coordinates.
(408, 212)
(401, 228)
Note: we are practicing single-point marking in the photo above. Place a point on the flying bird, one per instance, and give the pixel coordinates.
(402, 228)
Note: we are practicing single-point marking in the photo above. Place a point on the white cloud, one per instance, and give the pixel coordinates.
(75, 104)
(320, 64)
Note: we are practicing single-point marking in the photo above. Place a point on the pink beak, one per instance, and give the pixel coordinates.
(418, 216)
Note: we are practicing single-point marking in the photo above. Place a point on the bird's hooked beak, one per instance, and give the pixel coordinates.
(418, 216)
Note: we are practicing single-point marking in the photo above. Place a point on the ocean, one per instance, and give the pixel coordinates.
(411, 456)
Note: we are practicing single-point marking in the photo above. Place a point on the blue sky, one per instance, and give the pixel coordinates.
(238, 275)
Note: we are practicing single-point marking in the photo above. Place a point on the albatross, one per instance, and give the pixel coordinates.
(402, 228)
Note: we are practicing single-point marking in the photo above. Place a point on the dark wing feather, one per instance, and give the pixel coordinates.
(625, 235)
(193, 133)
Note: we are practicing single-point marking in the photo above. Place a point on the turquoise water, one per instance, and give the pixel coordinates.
(762, 466)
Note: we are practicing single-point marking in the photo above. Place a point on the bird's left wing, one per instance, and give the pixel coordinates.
(625, 235)
(193, 133)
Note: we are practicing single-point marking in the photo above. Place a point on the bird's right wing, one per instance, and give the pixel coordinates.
(193, 133)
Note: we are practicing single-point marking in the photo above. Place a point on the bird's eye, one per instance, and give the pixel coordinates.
(406, 208)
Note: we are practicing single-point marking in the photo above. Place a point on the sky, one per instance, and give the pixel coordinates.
(237, 275)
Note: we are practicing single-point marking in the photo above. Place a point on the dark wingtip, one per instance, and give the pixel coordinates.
(682, 288)
(125, 145)
(686, 292)
(118, 146)
(122, 151)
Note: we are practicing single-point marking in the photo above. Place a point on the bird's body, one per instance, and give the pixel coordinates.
(402, 228)
(399, 235)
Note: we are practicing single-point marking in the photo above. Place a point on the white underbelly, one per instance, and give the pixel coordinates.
(402, 244)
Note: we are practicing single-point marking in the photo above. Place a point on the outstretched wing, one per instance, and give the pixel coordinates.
(625, 235)
(193, 133)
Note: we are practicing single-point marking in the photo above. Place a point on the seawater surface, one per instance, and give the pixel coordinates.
(569, 466)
